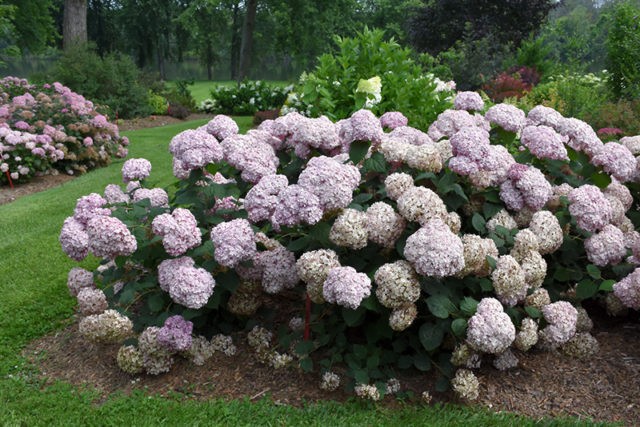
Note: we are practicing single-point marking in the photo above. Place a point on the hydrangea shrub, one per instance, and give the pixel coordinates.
(48, 128)
(391, 249)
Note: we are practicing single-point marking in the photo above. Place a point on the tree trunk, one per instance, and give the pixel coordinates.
(247, 39)
(235, 41)
(74, 25)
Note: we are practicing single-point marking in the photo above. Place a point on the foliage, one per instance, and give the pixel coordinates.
(180, 100)
(623, 55)
(575, 95)
(535, 54)
(622, 114)
(34, 24)
(113, 81)
(514, 83)
(245, 98)
(351, 319)
(157, 103)
(50, 128)
(332, 88)
(438, 25)
(472, 62)
(7, 32)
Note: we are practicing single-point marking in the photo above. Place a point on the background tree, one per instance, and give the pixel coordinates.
(439, 24)
(74, 26)
(33, 24)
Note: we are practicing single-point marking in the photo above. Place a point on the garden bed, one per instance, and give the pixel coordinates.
(603, 387)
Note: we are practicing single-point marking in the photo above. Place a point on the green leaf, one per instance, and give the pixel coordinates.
(486, 284)
(600, 179)
(155, 303)
(320, 233)
(298, 244)
(306, 364)
(360, 351)
(586, 289)
(607, 285)
(478, 223)
(353, 317)
(373, 361)
(360, 376)
(468, 306)
(440, 306)
(405, 362)
(126, 295)
(562, 274)
(304, 347)
(430, 336)
(362, 198)
(533, 312)
(445, 184)
(459, 191)
(459, 327)
(422, 362)
(375, 163)
(491, 261)
(358, 151)
(594, 271)
(442, 384)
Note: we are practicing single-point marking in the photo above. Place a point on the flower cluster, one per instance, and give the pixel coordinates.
(490, 330)
(179, 231)
(187, 285)
(435, 251)
(346, 287)
(47, 129)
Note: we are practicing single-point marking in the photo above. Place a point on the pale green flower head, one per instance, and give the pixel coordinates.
(372, 86)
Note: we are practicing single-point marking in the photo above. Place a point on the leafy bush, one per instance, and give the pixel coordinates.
(623, 55)
(246, 98)
(514, 83)
(157, 103)
(50, 128)
(623, 115)
(113, 81)
(338, 86)
(399, 253)
(178, 111)
(180, 98)
(575, 95)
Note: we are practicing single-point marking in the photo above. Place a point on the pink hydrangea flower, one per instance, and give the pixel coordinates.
(77, 279)
(617, 160)
(365, 126)
(449, 122)
(253, 158)
(296, 205)
(114, 194)
(261, 201)
(331, 181)
(136, 169)
(526, 187)
(234, 242)
(317, 133)
(508, 117)
(175, 334)
(393, 119)
(434, 250)
(346, 287)
(109, 237)
(582, 137)
(222, 126)
(90, 206)
(606, 247)
(195, 149)
(187, 285)
(278, 268)
(74, 239)
(544, 142)
(541, 115)
(179, 231)
(589, 207)
(561, 317)
(469, 101)
(410, 135)
(628, 290)
(490, 329)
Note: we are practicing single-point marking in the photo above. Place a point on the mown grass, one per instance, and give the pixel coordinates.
(201, 88)
(34, 301)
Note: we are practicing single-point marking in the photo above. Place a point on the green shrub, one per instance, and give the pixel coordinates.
(245, 99)
(157, 103)
(579, 96)
(623, 50)
(623, 114)
(113, 80)
(338, 85)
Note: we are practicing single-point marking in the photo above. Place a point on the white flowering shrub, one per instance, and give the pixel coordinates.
(246, 98)
(49, 128)
(392, 247)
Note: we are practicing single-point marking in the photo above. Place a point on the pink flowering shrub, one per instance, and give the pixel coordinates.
(410, 249)
(48, 129)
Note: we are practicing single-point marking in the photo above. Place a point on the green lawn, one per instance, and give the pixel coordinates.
(200, 89)
(35, 301)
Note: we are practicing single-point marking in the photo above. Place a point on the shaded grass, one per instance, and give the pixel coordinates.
(35, 301)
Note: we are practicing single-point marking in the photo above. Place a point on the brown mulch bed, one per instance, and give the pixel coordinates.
(605, 387)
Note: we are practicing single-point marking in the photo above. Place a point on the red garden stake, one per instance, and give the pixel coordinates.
(307, 319)
(9, 177)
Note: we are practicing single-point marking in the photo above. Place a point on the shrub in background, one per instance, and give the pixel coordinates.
(181, 101)
(391, 250)
(623, 55)
(45, 128)
(113, 81)
(245, 99)
(513, 83)
(338, 86)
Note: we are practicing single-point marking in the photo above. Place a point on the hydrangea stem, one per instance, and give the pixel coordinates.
(307, 319)
(9, 178)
